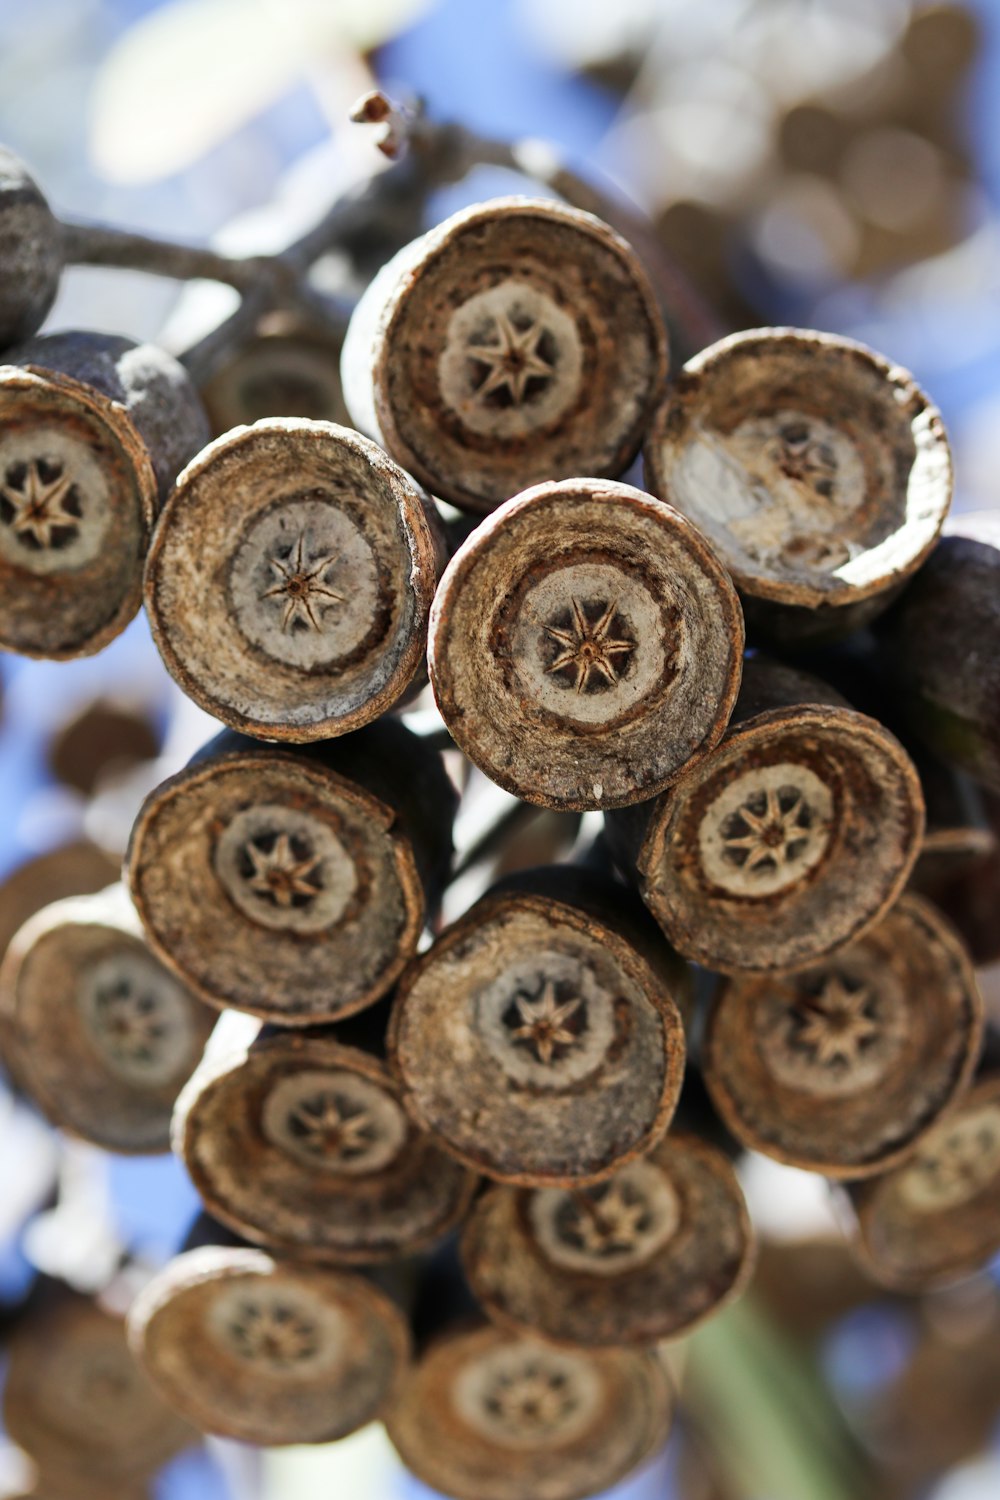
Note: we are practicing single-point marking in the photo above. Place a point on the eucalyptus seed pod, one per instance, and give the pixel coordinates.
(287, 367)
(76, 1402)
(299, 1143)
(785, 843)
(936, 1217)
(75, 869)
(819, 471)
(289, 580)
(845, 1067)
(294, 884)
(30, 252)
(93, 429)
(649, 1255)
(942, 644)
(268, 1351)
(585, 645)
(101, 1035)
(539, 1039)
(518, 341)
(490, 1415)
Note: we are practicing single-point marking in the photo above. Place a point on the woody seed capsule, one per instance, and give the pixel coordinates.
(662, 1245)
(286, 368)
(786, 842)
(289, 580)
(518, 341)
(819, 471)
(30, 252)
(294, 884)
(845, 1067)
(585, 645)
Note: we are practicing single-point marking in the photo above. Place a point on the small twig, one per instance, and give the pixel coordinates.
(103, 245)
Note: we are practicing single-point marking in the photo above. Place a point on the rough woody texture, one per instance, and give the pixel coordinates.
(93, 430)
(536, 1043)
(488, 1415)
(518, 341)
(943, 643)
(101, 1035)
(663, 1245)
(786, 842)
(290, 578)
(300, 1144)
(77, 1403)
(288, 883)
(936, 1217)
(585, 645)
(819, 470)
(286, 367)
(265, 1351)
(845, 1067)
(30, 252)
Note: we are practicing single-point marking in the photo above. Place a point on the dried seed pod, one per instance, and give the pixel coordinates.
(942, 644)
(786, 842)
(93, 429)
(488, 1415)
(30, 252)
(845, 1067)
(268, 1351)
(289, 580)
(518, 341)
(539, 1039)
(585, 645)
(820, 471)
(936, 1217)
(76, 1402)
(101, 1035)
(77, 869)
(294, 884)
(286, 368)
(649, 1255)
(101, 741)
(300, 1144)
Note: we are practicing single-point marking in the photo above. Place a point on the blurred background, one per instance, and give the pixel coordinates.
(827, 163)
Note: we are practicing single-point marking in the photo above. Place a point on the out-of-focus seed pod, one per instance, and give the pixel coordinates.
(286, 368)
(942, 642)
(786, 842)
(30, 252)
(936, 1217)
(93, 430)
(298, 1142)
(294, 884)
(845, 1067)
(268, 1351)
(539, 1039)
(102, 740)
(490, 1415)
(290, 578)
(585, 645)
(647, 1256)
(518, 341)
(819, 471)
(76, 869)
(76, 1402)
(101, 1035)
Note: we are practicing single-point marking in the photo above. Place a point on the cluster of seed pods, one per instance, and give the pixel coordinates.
(360, 1088)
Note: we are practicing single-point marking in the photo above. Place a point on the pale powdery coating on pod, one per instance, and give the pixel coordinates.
(585, 646)
(519, 340)
(646, 1256)
(845, 1067)
(787, 841)
(536, 1045)
(487, 1415)
(819, 470)
(936, 1216)
(274, 885)
(268, 1352)
(103, 1035)
(290, 577)
(300, 1144)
